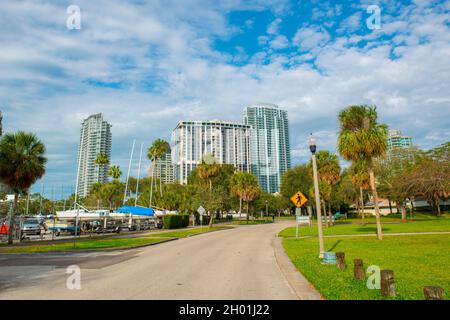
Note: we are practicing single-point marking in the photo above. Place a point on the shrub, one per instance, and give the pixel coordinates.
(175, 221)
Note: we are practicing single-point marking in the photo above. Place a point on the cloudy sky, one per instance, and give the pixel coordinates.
(149, 64)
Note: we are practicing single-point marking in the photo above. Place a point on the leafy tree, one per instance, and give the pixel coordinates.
(296, 179)
(361, 137)
(96, 192)
(112, 192)
(22, 163)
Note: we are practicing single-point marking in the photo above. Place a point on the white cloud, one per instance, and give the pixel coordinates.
(308, 38)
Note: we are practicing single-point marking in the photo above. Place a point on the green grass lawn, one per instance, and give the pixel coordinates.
(85, 244)
(420, 225)
(120, 242)
(417, 261)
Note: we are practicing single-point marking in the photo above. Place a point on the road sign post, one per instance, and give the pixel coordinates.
(299, 200)
(201, 211)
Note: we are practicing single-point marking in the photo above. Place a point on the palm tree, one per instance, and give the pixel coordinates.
(101, 160)
(158, 149)
(96, 191)
(22, 163)
(245, 186)
(115, 172)
(361, 137)
(208, 169)
(360, 179)
(329, 171)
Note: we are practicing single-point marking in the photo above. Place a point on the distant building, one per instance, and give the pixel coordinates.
(398, 141)
(228, 142)
(95, 138)
(269, 144)
(1, 123)
(163, 168)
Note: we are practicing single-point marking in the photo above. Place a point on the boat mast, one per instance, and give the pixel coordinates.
(139, 176)
(128, 174)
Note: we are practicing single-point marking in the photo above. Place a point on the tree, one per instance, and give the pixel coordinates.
(113, 193)
(208, 169)
(296, 179)
(158, 149)
(360, 179)
(245, 186)
(96, 192)
(328, 171)
(361, 137)
(22, 163)
(100, 161)
(114, 172)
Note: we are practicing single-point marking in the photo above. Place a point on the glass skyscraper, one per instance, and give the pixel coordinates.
(270, 152)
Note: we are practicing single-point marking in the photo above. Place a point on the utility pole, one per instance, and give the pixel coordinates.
(313, 147)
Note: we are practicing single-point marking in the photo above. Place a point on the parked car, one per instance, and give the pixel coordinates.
(31, 227)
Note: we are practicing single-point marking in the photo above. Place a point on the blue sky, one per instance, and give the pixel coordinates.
(149, 64)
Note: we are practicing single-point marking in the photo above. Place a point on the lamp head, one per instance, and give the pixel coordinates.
(312, 143)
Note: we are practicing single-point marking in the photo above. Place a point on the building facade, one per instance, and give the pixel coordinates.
(163, 168)
(398, 141)
(95, 138)
(228, 142)
(269, 144)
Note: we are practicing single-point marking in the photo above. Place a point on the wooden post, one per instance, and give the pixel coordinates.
(433, 293)
(358, 269)
(387, 283)
(340, 260)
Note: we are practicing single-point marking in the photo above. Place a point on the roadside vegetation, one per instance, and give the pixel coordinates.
(417, 261)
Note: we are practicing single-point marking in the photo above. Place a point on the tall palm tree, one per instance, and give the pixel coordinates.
(329, 171)
(22, 163)
(158, 149)
(96, 191)
(361, 137)
(208, 169)
(360, 179)
(245, 186)
(100, 161)
(115, 172)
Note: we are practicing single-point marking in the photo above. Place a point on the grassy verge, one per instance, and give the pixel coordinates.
(87, 244)
(417, 261)
(119, 242)
(431, 225)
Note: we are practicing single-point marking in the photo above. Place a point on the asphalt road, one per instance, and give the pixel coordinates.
(232, 264)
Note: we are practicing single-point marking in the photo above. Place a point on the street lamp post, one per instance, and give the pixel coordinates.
(312, 147)
(267, 209)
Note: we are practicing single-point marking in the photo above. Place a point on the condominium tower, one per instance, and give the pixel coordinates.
(398, 141)
(95, 138)
(163, 169)
(269, 144)
(228, 142)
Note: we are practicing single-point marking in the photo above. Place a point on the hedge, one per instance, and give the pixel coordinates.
(175, 221)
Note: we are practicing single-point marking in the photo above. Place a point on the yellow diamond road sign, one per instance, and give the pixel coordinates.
(299, 199)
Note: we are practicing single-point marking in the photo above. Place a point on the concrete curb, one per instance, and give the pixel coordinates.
(302, 288)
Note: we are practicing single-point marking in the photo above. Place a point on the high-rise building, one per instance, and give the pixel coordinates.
(1, 123)
(163, 168)
(3, 187)
(269, 144)
(95, 138)
(398, 141)
(228, 142)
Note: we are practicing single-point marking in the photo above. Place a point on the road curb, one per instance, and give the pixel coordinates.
(301, 286)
